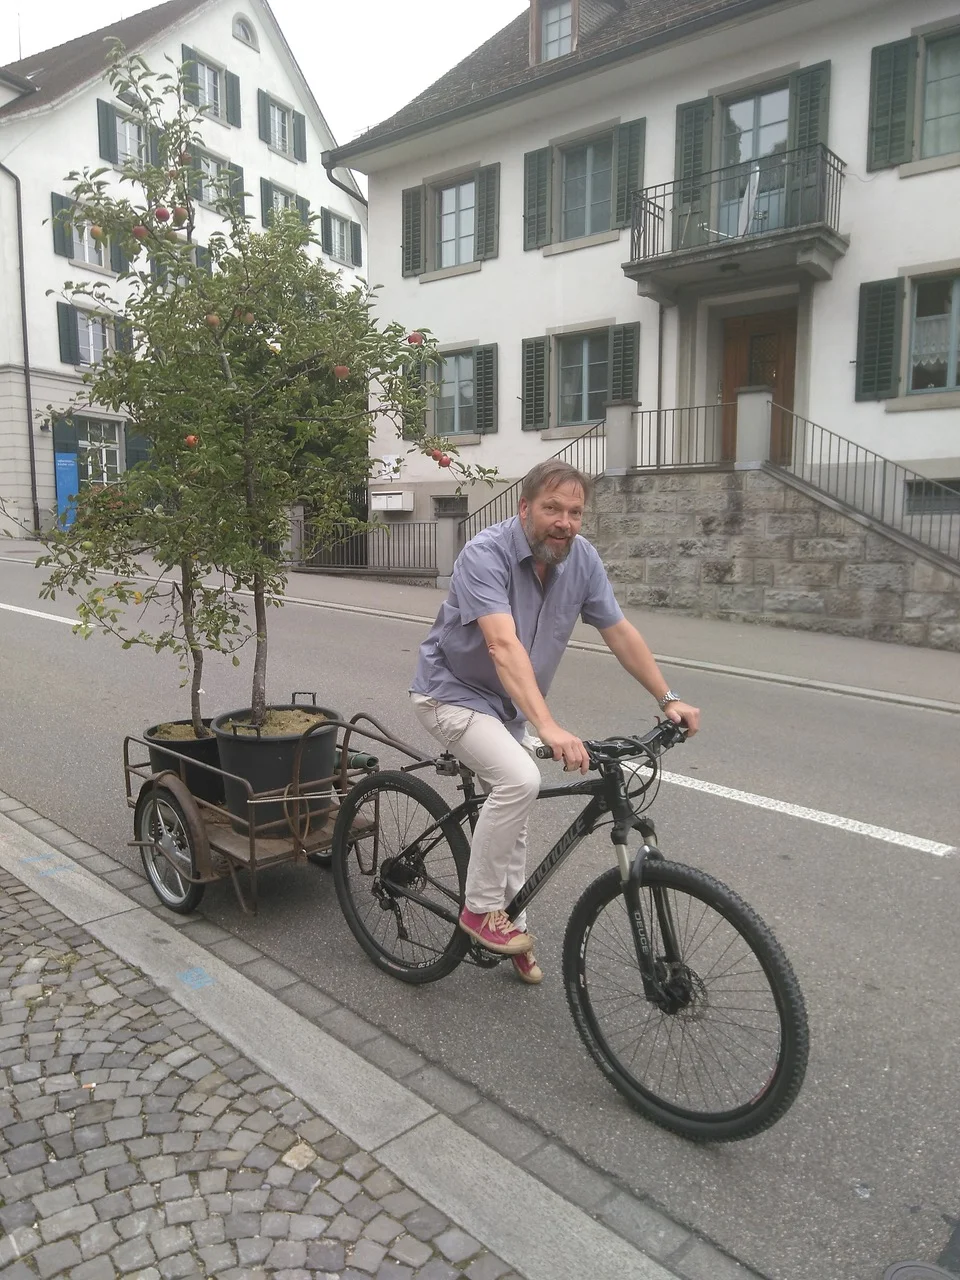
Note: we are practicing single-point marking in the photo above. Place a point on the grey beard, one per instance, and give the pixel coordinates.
(543, 553)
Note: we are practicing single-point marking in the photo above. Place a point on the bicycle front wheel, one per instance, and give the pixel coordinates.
(725, 1056)
(399, 866)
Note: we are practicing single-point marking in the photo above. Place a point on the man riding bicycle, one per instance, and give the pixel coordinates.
(486, 667)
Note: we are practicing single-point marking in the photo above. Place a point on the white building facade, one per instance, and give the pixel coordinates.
(605, 204)
(58, 114)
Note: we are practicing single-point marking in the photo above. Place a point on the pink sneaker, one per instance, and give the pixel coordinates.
(495, 931)
(527, 969)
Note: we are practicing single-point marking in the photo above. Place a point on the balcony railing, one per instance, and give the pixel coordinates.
(741, 202)
(900, 498)
(688, 437)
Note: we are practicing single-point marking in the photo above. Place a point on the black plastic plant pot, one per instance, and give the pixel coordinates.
(201, 783)
(267, 763)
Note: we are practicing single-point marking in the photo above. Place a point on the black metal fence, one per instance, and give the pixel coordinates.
(690, 437)
(900, 498)
(586, 453)
(779, 192)
(404, 547)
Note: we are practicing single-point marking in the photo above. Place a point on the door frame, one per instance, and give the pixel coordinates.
(735, 370)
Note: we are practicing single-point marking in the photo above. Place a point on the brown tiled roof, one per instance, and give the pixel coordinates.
(501, 67)
(55, 72)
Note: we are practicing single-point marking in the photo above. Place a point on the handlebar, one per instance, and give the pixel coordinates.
(665, 735)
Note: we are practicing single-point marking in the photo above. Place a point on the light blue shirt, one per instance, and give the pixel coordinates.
(495, 573)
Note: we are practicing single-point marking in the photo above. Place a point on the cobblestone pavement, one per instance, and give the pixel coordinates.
(135, 1142)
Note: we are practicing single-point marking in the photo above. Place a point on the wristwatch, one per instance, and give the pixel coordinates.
(669, 696)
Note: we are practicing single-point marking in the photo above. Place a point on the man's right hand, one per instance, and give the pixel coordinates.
(566, 747)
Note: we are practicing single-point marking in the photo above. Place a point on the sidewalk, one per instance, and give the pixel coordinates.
(165, 1114)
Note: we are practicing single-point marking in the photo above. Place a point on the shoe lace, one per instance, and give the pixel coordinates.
(501, 922)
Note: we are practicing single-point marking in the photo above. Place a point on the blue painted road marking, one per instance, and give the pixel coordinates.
(196, 978)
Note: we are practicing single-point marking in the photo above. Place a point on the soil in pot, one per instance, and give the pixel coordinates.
(177, 736)
(266, 761)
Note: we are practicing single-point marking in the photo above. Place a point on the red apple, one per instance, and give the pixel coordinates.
(444, 461)
(185, 157)
(96, 232)
(248, 317)
(179, 216)
(341, 371)
(140, 232)
(213, 320)
(161, 213)
(415, 339)
(436, 454)
(191, 441)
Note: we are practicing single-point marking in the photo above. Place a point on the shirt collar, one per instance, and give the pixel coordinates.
(520, 544)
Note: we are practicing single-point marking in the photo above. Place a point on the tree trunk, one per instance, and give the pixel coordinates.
(259, 701)
(196, 650)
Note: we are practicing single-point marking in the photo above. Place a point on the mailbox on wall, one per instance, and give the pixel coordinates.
(392, 500)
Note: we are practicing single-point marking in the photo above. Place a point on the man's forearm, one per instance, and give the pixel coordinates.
(518, 678)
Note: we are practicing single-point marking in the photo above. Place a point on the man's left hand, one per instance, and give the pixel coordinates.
(682, 713)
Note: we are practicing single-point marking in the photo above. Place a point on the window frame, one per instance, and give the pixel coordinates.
(85, 319)
(920, 103)
(204, 64)
(584, 336)
(338, 221)
(544, 10)
(102, 447)
(456, 430)
(123, 157)
(82, 237)
(273, 106)
(288, 199)
(240, 21)
(222, 169)
(438, 190)
(562, 151)
(953, 350)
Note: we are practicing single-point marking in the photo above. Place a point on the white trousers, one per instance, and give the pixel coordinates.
(511, 779)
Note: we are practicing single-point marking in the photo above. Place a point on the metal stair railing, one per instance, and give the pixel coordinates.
(586, 453)
(922, 509)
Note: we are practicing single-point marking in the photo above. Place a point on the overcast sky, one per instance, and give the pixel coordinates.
(401, 48)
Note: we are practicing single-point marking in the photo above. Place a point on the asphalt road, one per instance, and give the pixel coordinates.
(865, 1170)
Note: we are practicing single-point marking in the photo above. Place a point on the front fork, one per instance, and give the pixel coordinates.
(631, 876)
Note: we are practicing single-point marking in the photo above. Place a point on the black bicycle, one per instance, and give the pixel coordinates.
(680, 992)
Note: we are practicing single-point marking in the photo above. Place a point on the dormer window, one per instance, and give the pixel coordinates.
(556, 28)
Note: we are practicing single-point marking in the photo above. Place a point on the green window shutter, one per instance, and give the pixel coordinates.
(136, 449)
(485, 384)
(413, 246)
(195, 176)
(263, 115)
(624, 362)
(65, 434)
(326, 231)
(693, 160)
(535, 413)
(537, 190)
(69, 333)
(415, 424)
(123, 335)
(266, 202)
(893, 90)
(299, 136)
(356, 244)
(809, 106)
(231, 85)
(487, 235)
(191, 89)
(237, 186)
(630, 143)
(202, 258)
(153, 147)
(119, 262)
(303, 208)
(107, 125)
(62, 231)
(158, 271)
(878, 340)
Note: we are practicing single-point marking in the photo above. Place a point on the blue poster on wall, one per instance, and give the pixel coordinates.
(68, 482)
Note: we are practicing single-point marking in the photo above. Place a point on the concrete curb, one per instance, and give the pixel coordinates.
(558, 1219)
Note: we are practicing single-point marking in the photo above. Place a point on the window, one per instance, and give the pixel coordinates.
(586, 182)
(341, 238)
(754, 137)
(456, 407)
(941, 98)
(209, 174)
(557, 30)
(936, 335)
(85, 248)
(130, 141)
(456, 223)
(584, 377)
(283, 200)
(339, 232)
(208, 84)
(281, 127)
(932, 497)
(243, 30)
(274, 200)
(92, 337)
(98, 451)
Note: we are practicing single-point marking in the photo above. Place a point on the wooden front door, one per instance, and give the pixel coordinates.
(759, 351)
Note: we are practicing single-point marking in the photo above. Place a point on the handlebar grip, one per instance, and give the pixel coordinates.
(544, 753)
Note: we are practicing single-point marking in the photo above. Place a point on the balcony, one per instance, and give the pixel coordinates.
(758, 221)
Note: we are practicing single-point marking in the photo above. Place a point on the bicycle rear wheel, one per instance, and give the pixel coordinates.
(728, 1059)
(399, 870)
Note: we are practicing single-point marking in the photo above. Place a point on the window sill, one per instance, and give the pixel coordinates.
(464, 438)
(567, 433)
(286, 155)
(582, 242)
(92, 266)
(222, 121)
(922, 401)
(447, 273)
(931, 165)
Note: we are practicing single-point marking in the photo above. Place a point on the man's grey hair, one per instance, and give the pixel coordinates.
(550, 475)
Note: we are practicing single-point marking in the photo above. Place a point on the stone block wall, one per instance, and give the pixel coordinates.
(749, 546)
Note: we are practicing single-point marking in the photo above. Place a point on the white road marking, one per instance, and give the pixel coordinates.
(814, 815)
(35, 613)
